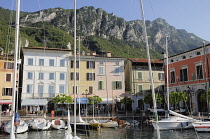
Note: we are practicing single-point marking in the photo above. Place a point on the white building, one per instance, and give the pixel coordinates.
(44, 76)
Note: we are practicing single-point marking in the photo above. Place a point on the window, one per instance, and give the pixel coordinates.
(172, 77)
(30, 75)
(52, 62)
(75, 90)
(7, 92)
(72, 64)
(90, 64)
(51, 89)
(30, 61)
(117, 70)
(61, 89)
(40, 89)
(100, 85)
(62, 76)
(139, 75)
(140, 88)
(183, 75)
(90, 76)
(72, 76)
(62, 63)
(90, 89)
(101, 70)
(51, 76)
(29, 88)
(117, 85)
(41, 62)
(199, 72)
(8, 77)
(8, 65)
(41, 76)
(161, 76)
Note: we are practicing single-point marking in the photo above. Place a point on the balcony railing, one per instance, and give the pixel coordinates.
(51, 94)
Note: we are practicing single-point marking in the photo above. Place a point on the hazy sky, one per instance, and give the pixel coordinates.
(191, 15)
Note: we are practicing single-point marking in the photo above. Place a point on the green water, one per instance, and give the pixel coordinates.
(145, 132)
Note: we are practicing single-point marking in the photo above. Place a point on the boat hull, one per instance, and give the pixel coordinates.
(173, 123)
(110, 124)
(81, 126)
(58, 124)
(39, 124)
(203, 126)
(21, 128)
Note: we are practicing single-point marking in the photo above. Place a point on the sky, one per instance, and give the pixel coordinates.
(191, 15)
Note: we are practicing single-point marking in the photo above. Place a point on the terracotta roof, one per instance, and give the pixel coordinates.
(145, 60)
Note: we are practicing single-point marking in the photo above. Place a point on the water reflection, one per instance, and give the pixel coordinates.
(112, 133)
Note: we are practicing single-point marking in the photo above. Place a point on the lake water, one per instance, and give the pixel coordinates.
(146, 132)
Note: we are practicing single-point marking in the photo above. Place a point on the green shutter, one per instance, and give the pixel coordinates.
(140, 88)
(102, 84)
(114, 85)
(140, 75)
(120, 85)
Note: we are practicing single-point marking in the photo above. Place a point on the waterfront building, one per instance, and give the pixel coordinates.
(189, 72)
(44, 75)
(6, 82)
(138, 83)
(98, 75)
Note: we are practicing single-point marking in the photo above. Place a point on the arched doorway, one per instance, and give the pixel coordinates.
(202, 105)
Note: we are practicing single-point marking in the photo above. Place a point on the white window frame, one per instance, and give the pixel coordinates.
(50, 74)
(29, 88)
(51, 62)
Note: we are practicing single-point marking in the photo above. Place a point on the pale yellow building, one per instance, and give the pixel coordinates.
(137, 81)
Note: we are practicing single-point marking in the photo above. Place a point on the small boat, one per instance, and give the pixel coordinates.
(39, 124)
(58, 124)
(20, 126)
(95, 124)
(202, 126)
(108, 123)
(80, 124)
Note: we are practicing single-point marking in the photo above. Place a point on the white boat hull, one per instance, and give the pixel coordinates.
(58, 124)
(109, 124)
(39, 124)
(202, 126)
(173, 123)
(21, 128)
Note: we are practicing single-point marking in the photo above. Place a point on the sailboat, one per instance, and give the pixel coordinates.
(39, 124)
(16, 125)
(150, 72)
(177, 121)
(58, 124)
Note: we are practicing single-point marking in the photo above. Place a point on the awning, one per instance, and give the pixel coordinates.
(104, 101)
(82, 100)
(3, 101)
(34, 102)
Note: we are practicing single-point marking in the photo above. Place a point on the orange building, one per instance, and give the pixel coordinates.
(6, 81)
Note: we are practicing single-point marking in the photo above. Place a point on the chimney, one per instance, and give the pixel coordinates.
(108, 54)
(93, 53)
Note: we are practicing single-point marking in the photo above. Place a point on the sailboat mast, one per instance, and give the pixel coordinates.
(167, 81)
(15, 67)
(150, 71)
(75, 67)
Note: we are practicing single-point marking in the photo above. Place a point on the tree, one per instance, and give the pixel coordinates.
(94, 100)
(127, 101)
(203, 96)
(62, 99)
(148, 98)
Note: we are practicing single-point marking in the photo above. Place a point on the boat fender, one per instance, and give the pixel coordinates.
(187, 123)
(181, 125)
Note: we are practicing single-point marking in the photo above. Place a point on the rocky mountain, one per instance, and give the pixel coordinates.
(102, 31)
